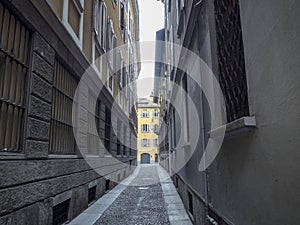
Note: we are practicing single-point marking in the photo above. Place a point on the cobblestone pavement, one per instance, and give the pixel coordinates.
(139, 204)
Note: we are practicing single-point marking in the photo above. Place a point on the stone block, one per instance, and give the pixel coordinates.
(36, 149)
(42, 67)
(44, 49)
(38, 129)
(40, 108)
(41, 88)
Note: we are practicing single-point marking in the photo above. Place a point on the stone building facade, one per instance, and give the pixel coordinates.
(252, 48)
(45, 48)
(148, 122)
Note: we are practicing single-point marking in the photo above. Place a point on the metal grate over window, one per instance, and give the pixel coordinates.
(232, 73)
(14, 59)
(61, 137)
(92, 194)
(93, 117)
(60, 213)
(107, 136)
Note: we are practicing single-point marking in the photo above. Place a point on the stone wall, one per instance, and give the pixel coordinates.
(34, 181)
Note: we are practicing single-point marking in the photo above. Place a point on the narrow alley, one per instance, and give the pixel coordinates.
(149, 112)
(147, 197)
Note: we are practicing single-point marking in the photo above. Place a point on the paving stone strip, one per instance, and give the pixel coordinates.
(141, 204)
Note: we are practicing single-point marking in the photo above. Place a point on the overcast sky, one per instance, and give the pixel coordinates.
(151, 20)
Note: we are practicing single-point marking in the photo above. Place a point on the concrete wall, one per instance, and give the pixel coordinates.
(259, 172)
(255, 177)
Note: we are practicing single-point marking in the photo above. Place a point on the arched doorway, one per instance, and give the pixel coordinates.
(145, 158)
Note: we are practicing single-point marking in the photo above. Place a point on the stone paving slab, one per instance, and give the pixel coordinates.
(177, 213)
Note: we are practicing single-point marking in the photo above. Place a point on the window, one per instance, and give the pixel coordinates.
(185, 108)
(114, 57)
(93, 118)
(110, 34)
(91, 194)
(119, 125)
(191, 204)
(107, 136)
(61, 135)
(115, 2)
(145, 142)
(100, 22)
(180, 16)
(73, 19)
(120, 72)
(230, 53)
(145, 128)
(122, 16)
(145, 113)
(155, 113)
(155, 142)
(14, 52)
(107, 185)
(124, 141)
(155, 128)
(60, 213)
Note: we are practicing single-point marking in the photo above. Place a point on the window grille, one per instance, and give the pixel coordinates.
(107, 129)
(124, 141)
(191, 204)
(91, 194)
(61, 136)
(60, 213)
(14, 53)
(107, 185)
(118, 137)
(232, 73)
(93, 117)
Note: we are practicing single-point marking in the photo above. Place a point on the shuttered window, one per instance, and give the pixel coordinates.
(14, 53)
(61, 135)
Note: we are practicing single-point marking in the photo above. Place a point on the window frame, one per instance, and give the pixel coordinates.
(145, 128)
(57, 93)
(147, 140)
(155, 113)
(145, 113)
(79, 4)
(155, 142)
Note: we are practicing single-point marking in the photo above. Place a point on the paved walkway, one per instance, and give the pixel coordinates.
(147, 197)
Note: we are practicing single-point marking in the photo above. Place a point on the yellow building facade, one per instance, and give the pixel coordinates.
(148, 121)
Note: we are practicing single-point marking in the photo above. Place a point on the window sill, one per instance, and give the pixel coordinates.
(11, 155)
(63, 157)
(186, 146)
(236, 128)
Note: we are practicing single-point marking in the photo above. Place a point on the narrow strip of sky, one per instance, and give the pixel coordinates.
(151, 20)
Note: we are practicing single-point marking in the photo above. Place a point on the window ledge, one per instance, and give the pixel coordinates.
(63, 157)
(186, 146)
(11, 155)
(237, 127)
